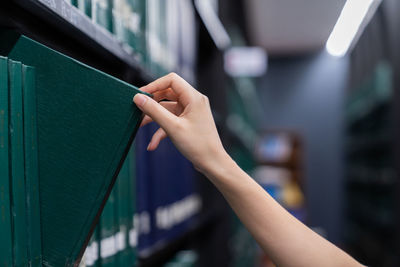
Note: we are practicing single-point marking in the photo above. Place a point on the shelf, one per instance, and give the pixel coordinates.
(73, 24)
(373, 142)
(166, 251)
(371, 177)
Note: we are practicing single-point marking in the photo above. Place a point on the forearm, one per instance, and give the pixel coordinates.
(285, 239)
(189, 123)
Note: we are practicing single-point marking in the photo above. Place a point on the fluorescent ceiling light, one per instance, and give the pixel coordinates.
(352, 20)
(213, 24)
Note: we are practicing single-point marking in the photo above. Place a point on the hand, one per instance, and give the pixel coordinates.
(186, 119)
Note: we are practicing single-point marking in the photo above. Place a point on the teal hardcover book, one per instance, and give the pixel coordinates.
(85, 6)
(86, 121)
(117, 234)
(108, 244)
(6, 247)
(131, 205)
(123, 217)
(91, 255)
(17, 176)
(103, 14)
(31, 166)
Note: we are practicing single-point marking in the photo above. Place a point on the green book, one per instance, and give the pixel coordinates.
(85, 6)
(103, 14)
(108, 244)
(118, 236)
(5, 204)
(74, 2)
(140, 7)
(86, 121)
(31, 166)
(92, 251)
(123, 216)
(131, 205)
(17, 176)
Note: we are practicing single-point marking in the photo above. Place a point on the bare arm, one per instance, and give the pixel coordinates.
(187, 120)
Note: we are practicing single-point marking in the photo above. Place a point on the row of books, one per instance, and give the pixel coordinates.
(63, 134)
(159, 33)
(371, 179)
(114, 241)
(168, 200)
(19, 200)
(83, 130)
(154, 201)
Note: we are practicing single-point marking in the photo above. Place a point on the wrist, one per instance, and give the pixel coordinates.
(219, 165)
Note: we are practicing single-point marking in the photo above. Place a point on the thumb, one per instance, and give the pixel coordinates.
(154, 110)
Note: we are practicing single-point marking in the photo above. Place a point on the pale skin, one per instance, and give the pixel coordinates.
(187, 120)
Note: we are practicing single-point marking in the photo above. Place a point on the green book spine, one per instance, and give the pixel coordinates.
(109, 10)
(119, 30)
(131, 205)
(85, 6)
(5, 205)
(124, 257)
(162, 35)
(17, 165)
(142, 35)
(103, 14)
(31, 166)
(116, 229)
(91, 255)
(108, 248)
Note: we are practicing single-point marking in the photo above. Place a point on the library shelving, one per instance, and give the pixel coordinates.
(371, 148)
(144, 215)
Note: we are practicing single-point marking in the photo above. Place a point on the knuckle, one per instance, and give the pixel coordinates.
(173, 124)
(178, 125)
(203, 99)
(173, 75)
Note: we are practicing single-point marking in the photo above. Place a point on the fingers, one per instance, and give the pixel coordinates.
(157, 112)
(158, 136)
(173, 107)
(183, 89)
(146, 120)
(168, 94)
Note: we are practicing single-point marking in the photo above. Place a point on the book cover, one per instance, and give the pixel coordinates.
(5, 204)
(31, 166)
(86, 121)
(17, 176)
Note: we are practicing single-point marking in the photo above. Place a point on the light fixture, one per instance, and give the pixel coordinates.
(352, 20)
(213, 23)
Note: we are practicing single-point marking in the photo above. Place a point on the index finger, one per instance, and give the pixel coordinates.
(173, 81)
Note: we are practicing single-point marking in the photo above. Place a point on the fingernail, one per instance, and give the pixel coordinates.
(148, 146)
(140, 99)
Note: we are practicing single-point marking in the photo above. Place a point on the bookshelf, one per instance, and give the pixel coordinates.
(62, 26)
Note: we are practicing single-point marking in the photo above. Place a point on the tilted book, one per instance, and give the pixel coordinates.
(86, 121)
